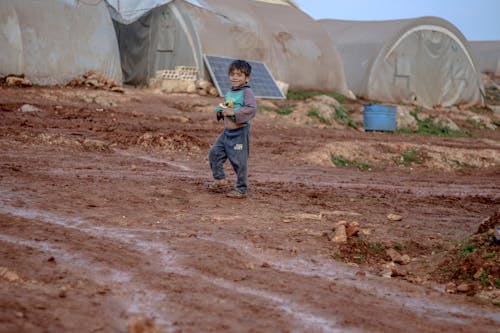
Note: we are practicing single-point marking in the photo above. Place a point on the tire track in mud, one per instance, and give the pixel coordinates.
(346, 276)
(304, 316)
(149, 301)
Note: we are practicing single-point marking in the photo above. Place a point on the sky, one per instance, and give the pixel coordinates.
(476, 19)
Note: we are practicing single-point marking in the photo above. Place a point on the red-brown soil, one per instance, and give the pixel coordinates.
(105, 216)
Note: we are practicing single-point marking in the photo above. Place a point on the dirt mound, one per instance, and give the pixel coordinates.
(380, 155)
(172, 142)
(474, 263)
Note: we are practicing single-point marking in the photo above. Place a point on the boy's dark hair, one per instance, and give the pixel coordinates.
(242, 65)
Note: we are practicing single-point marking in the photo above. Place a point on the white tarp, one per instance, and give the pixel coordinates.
(128, 11)
(288, 41)
(426, 61)
(54, 41)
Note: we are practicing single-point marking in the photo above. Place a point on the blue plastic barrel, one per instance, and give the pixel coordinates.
(378, 117)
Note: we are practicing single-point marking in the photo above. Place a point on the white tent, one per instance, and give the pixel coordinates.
(488, 55)
(426, 61)
(54, 41)
(178, 33)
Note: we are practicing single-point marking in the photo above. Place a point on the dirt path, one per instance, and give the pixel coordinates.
(104, 214)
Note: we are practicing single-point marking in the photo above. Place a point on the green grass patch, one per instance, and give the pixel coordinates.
(468, 249)
(409, 157)
(283, 111)
(484, 278)
(340, 161)
(497, 283)
(343, 162)
(342, 114)
(474, 123)
(376, 246)
(428, 127)
(398, 246)
(359, 258)
(488, 255)
(313, 113)
(302, 95)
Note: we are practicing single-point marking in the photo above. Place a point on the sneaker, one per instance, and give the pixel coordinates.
(217, 185)
(236, 195)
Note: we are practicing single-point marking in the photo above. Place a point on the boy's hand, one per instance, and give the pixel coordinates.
(228, 112)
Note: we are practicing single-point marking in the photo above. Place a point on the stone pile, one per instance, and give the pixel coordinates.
(96, 80)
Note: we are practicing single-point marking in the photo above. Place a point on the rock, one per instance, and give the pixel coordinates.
(482, 120)
(283, 86)
(351, 95)
(352, 229)
(18, 81)
(29, 108)
(94, 83)
(404, 119)
(446, 122)
(117, 89)
(212, 91)
(191, 88)
(63, 292)
(405, 259)
(464, 288)
(395, 255)
(95, 145)
(478, 274)
(9, 275)
(141, 324)
(397, 271)
(451, 288)
(203, 84)
(492, 296)
(394, 217)
(340, 236)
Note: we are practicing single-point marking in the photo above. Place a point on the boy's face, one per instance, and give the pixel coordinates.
(238, 78)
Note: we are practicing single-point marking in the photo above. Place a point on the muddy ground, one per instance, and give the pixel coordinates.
(106, 224)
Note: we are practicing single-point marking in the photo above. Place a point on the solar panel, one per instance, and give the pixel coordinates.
(261, 80)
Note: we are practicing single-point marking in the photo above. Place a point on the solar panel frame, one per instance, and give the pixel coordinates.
(262, 81)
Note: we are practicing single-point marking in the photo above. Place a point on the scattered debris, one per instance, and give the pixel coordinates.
(96, 80)
(14, 80)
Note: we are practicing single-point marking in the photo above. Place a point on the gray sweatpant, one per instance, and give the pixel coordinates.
(232, 144)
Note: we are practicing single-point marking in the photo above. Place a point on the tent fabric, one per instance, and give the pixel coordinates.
(287, 40)
(129, 11)
(425, 61)
(488, 55)
(54, 41)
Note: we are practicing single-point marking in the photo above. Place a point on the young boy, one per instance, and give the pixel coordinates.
(233, 143)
